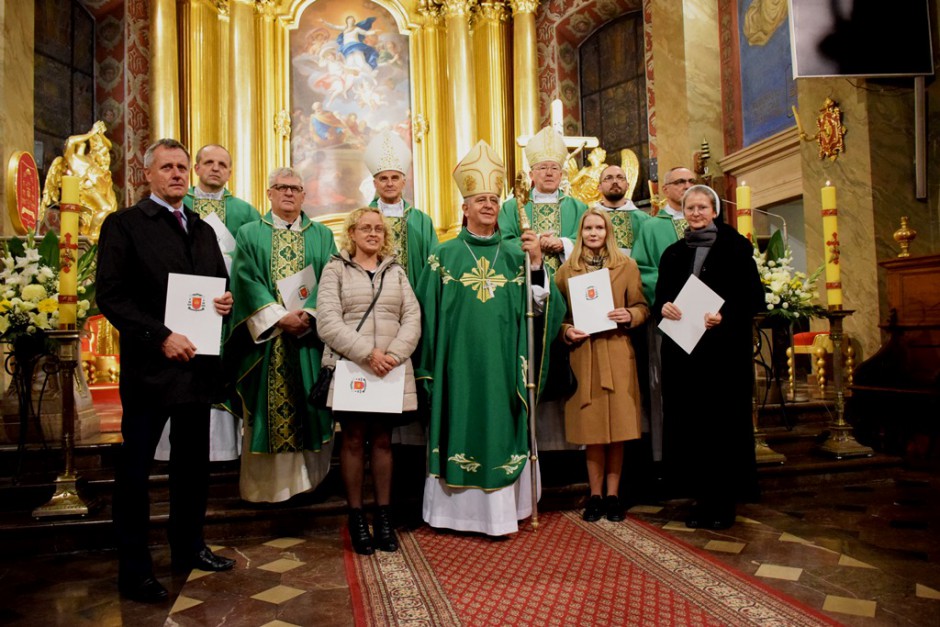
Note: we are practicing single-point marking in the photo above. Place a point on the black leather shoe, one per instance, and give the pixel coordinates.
(204, 560)
(614, 507)
(594, 509)
(146, 590)
(385, 538)
(698, 518)
(723, 518)
(359, 532)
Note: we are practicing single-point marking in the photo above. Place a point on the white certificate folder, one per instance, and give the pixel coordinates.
(357, 389)
(694, 300)
(191, 312)
(592, 298)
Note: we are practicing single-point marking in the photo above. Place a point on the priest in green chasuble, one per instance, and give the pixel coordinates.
(555, 218)
(210, 196)
(626, 217)
(553, 215)
(474, 360)
(287, 441)
(389, 159)
(659, 233)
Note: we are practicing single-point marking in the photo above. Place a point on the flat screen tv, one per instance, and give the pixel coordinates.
(866, 38)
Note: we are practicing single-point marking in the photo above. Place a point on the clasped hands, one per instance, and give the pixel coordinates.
(381, 362)
(177, 346)
(671, 312)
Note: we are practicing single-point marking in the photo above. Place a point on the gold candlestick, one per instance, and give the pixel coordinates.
(840, 443)
(65, 500)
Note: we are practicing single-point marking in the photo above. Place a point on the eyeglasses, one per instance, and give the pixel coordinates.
(280, 187)
(680, 182)
(620, 178)
(547, 168)
(698, 209)
(366, 229)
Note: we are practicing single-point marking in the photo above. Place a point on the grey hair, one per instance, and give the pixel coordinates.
(703, 189)
(199, 152)
(277, 173)
(169, 144)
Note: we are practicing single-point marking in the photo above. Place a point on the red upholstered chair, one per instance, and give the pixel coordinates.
(819, 346)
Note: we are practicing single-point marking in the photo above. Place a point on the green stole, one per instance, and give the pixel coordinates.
(284, 382)
(205, 206)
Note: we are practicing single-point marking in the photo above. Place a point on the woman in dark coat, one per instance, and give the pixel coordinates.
(708, 428)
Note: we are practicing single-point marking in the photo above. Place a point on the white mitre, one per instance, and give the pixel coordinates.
(546, 145)
(481, 171)
(387, 151)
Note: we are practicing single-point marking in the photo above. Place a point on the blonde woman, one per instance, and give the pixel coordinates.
(604, 411)
(367, 313)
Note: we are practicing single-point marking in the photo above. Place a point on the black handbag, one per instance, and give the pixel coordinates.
(321, 389)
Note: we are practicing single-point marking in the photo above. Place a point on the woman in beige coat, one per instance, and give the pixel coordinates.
(605, 409)
(388, 334)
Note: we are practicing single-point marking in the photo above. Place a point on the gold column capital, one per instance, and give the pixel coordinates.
(457, 8)
(220, 6)
(523, 6)
(492, 11)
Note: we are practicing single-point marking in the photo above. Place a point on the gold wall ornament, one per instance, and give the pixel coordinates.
(830, 131)
(420, 128)
(22, 192)
(904, 236)
(88, 157)
(282, 124)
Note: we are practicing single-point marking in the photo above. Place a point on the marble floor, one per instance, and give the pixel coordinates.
(862, 554)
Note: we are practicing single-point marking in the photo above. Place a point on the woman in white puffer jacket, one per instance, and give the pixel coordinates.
(387, 335)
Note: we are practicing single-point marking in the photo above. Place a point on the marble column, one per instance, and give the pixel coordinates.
(490, 40)
(164, 74)
(16, 91)
(244, 142)
(524, 72)
(461, 94)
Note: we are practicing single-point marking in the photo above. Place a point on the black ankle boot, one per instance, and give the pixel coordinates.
(385, 538)
(359, 532)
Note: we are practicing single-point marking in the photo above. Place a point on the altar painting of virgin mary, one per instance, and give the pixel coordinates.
(350, 80)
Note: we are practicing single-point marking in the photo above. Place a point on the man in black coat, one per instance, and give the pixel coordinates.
(162, 377)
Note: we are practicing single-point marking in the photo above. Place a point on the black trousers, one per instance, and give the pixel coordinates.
(141, 427)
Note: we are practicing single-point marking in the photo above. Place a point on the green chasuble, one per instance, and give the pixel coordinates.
(656, 235)
(626, 225)
(473, 359)
(562, 218)
(275, 377)
(414, 237)
(234, 212)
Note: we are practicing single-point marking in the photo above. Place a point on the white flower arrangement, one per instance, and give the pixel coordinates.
(29, 275)
(787, 293)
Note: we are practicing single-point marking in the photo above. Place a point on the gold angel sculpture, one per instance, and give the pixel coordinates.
(87, 157)
(583, 182)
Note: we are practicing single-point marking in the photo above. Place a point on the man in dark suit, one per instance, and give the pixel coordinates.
(162, 376)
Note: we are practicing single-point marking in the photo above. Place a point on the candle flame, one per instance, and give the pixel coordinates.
(828, 184)
(743, 184)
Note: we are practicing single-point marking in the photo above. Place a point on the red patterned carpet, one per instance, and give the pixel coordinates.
(568, 573)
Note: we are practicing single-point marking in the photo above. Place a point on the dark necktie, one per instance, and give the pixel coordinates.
(179, 218)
